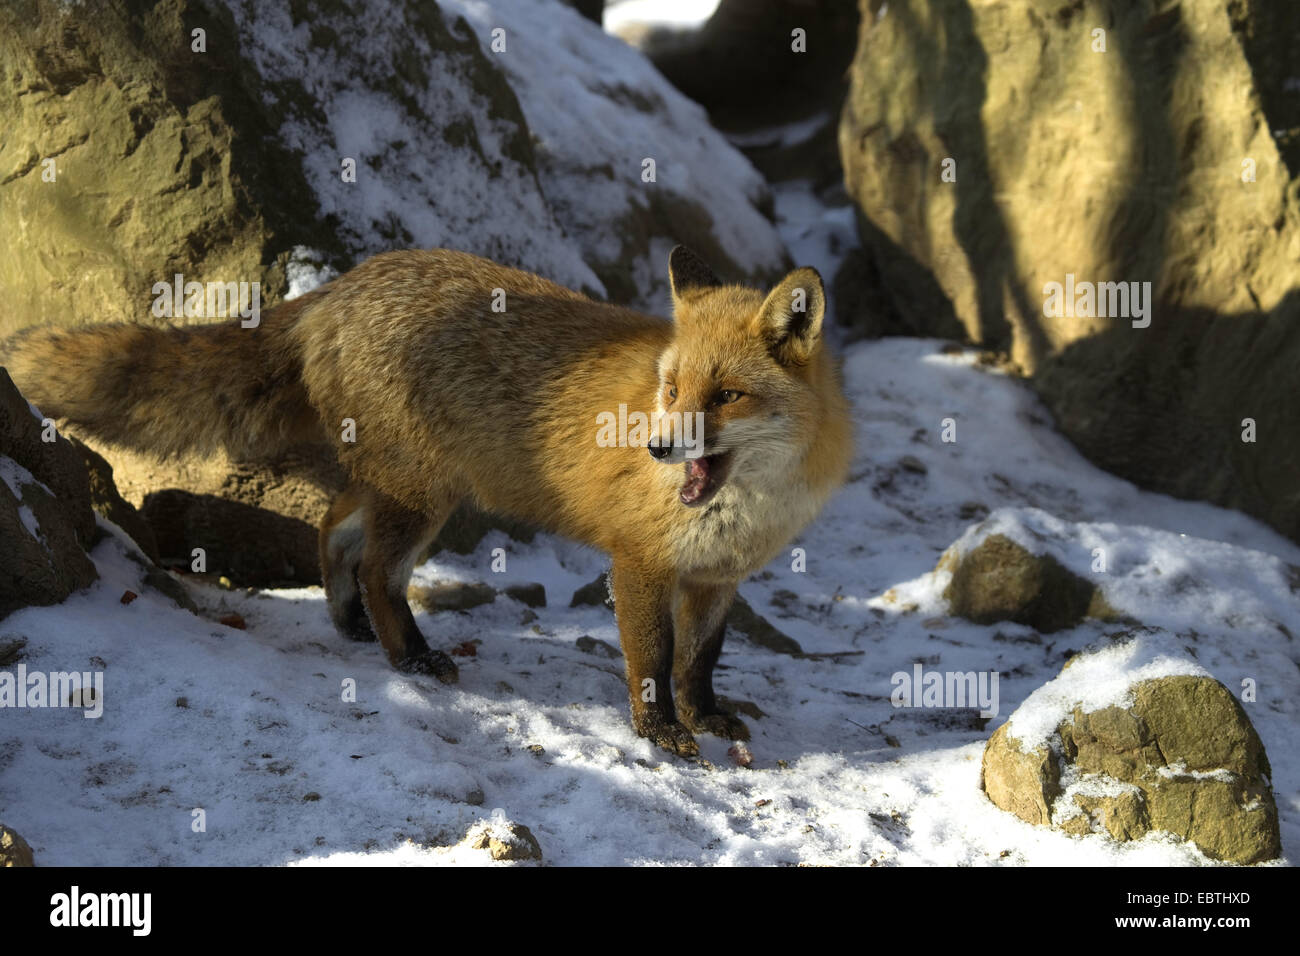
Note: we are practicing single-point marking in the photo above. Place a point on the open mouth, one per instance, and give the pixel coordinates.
(704, 476)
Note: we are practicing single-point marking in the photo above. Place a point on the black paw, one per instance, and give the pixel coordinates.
(431, 662)
(673, 737)
(726, 726)
(352, 622)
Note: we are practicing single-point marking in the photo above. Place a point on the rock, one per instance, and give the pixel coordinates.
(594, 593)
(1000, 580)
(46, 519)
(14, 850)
(512, 841)
(109, 503)
(742, 64)
(740, 754)
(590, 645)
(593, 10)
(164, 583)
(1192, 101)
(759, 630)
(11, 649)
(1177, 755)
(534, 595)
(1023, 783)
(451, 597)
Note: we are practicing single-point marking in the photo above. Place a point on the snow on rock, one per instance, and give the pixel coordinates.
(1094, 681)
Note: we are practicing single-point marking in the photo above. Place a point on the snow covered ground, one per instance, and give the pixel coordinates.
(536, 732)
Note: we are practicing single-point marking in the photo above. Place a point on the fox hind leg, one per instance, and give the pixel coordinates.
(394, 539)
(342, 541)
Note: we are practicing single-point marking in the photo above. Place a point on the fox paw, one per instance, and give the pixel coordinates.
(431, 662)
(674, 738)
(726, 726)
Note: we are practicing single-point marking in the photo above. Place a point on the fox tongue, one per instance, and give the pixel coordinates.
(698, 473)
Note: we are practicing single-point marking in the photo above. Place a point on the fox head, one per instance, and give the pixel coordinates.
(744, 384)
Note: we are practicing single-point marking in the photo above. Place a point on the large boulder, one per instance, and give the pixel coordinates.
(1137, 739)
(1132, 143)
(46, 520)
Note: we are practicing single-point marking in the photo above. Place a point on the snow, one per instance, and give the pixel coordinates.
(411, 769)
(676, 14)
(306, 269)
(817, 235)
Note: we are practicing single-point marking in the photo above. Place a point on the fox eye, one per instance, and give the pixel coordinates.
(672, 392)
(727, 396)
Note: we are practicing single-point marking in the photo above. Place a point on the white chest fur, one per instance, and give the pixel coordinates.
(746, 525)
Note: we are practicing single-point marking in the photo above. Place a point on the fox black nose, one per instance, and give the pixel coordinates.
(660, 452)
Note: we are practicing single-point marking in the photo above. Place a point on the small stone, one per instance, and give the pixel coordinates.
(740, 754)
(516, 843)
(11, 648)
(590, 645)
(593, 593)
(451, 597)
(14, 850)
(534, 595)
(129, 596)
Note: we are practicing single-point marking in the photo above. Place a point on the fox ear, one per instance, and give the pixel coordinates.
(688, 271)
(791, 317)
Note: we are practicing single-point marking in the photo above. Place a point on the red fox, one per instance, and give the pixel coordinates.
(452, 399)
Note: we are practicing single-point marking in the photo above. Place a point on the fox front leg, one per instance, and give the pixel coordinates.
(699, 623)
(642, 602)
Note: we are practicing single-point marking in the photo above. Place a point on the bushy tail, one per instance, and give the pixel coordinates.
(168, 390)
